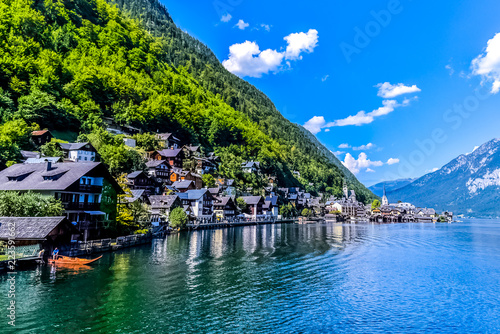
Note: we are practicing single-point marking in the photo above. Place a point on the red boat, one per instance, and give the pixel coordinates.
(72, 260)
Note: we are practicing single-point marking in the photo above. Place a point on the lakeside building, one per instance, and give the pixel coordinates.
(86, 189)
(161, 206)
(140, 180)
(174, 157)
(160, 170)
(255, 205)
(36, 233)
(225, 208)
(200, 201)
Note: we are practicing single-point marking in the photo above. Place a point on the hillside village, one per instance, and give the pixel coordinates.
(176, 175)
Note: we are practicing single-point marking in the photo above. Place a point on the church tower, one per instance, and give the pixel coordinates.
(385, 201)
(345, 190)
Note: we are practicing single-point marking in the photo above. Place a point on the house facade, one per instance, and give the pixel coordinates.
(200, 201)
(87, 191)
(79, 152)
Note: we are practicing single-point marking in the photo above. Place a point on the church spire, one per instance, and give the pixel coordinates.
(385, 201)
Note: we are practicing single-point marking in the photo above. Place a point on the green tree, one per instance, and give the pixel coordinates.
(178, 218)
(375, 204)
(208, 180)
(241, 204)
(288, 211)
(52, 149)
(14, 136)
(29, 204)
(306, 212)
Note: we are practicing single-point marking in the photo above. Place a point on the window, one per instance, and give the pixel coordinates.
(85, 158)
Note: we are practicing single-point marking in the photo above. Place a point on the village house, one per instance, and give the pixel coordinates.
(117, 129)
(87, 191)
(200, 201)
(184, 185)
(168, 141)
(254, 205)
(204, 166)
(225, 208)
(25, 155)
(250, 166)
(38, 233)
(140, 180)
(174, 157)
(161, 206)
(270, 207)
(160, 170)
(183, 175)
(43, 160)
(41, 137)
(79, 152)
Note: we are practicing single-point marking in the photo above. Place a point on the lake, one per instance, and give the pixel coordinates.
(315, 278)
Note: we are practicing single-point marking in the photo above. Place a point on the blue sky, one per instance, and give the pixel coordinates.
(433, 66)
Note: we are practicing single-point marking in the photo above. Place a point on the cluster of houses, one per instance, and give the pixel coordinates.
(348, 208)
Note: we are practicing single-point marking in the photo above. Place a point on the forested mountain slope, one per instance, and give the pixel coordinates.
(65, 65)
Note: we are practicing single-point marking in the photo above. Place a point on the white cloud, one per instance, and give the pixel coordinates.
(368, 146)
(315, 124)
(327, 130)
(388, 91)
(246, 59)
(361, 163)
(267, 27)
(300, 42)
(226, 17)
(337, 153)
(450, 69)
(344, 146)
(323, 79)
(242, 25)
(487, 64)
(369, 170)
(392, 161)
(366, 118)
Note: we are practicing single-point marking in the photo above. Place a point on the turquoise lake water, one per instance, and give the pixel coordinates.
(315, 278)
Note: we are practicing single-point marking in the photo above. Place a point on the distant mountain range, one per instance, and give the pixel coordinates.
(378, 189)
(469, 184)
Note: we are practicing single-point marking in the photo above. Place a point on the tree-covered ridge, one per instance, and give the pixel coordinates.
(65, 65)
(199, 60)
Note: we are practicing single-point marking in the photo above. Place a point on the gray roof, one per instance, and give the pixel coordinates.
(184, 184)
(42, 160)
(156, 163)
(213, 191)
(272, 199)
(252, 200)
(30, 154)
(69, 172)
(170, 153)
(30, 228)
(250, 164)
(222, 201)
(193, 194)
(166, 136)
(72, 146)
(136, 194)
(162, 201)
(135, 174)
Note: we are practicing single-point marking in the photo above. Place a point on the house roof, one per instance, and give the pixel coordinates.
(166, 136)
(183, 184)
(70, 172)
(193, 194)
(135, 174)
(42, 160)
(223, 201)
(29, 154)
(192, 148)
(267, 205)
(156, 163)
(162, 201)
(272, 199)
(72, 146)
(39, 132)
(168, 153)
(213, 191)
(31, 228)
(136, 194)
(250, 164)
(252, 200)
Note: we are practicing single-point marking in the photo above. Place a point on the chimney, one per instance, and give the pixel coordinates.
(49, 165)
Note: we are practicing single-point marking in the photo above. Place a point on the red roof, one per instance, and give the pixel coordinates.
(39, 132)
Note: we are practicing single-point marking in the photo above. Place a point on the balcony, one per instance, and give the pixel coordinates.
(82, 206)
